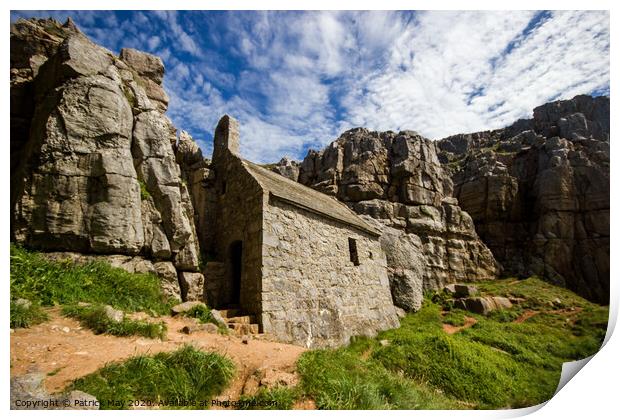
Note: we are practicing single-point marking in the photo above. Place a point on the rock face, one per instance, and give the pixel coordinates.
(538, 192)
(396, 180)
(288, 168)
(95, 169)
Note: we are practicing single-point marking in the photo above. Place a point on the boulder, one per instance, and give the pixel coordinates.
(113, 314)
(168, 279)
(186, 306)
(483, 305)
(464, 290)
(25, 303)
(405, 265)
(192, 286)
(219, 319)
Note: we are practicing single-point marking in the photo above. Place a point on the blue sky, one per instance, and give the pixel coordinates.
(296, 80)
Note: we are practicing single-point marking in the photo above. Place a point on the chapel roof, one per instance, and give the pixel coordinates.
(306, 198)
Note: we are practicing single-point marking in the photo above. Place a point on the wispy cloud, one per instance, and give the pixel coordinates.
(297, 79)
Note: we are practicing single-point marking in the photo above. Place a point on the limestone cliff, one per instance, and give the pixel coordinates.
(538, 192)
(396, 181)
(93, 167)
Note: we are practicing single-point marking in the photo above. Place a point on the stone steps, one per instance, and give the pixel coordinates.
(243, 329)
(245, 319)
(240, 324)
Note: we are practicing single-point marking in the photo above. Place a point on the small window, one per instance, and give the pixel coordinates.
(223, 188)
(353, 255)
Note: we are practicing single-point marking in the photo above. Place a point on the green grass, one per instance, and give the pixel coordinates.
(186, 378)
(23, 317)
(278, 398)
(202, 313)
(95, 318)
(496, 363)
(345, 379)
(49, 283)
(455, 317)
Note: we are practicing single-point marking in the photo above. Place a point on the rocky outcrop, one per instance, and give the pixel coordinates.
(97, 172)
(396, 180)
(538, 192)
(287, 168)
(200, 179)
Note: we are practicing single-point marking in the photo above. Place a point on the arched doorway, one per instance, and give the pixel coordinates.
(235, 268)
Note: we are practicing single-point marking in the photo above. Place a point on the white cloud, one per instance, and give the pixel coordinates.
(308, 76)
(153, 42)
(298, 79)
(437, 64)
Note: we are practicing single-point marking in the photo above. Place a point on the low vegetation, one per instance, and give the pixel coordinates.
(26, 316)
(511, 358)
(202, 313)
(185, 379)
(50, 283)
(278, 398)
(95, 318)
(144, 192)
(350, 379)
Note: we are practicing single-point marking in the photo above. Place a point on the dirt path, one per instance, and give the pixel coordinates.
(525, 316)
(61, 347)
(451, 329)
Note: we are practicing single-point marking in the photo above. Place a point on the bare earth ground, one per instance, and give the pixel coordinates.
(451, 329)
(62, 347)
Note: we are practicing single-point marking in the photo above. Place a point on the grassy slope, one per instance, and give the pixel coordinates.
(48, 283)
(497, 363)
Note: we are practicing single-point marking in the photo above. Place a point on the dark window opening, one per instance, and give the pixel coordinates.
(353, 256)
(236, 261)
(223, 187)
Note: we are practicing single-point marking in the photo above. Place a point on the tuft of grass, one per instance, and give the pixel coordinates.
(455, 317)
(94, 317)
(202, 313)
(54, 372)
(24, 317)
(185, 379)
(278, 398)
(51, 283)
(144, 192)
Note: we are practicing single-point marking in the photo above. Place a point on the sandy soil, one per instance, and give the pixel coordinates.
(60, 345)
